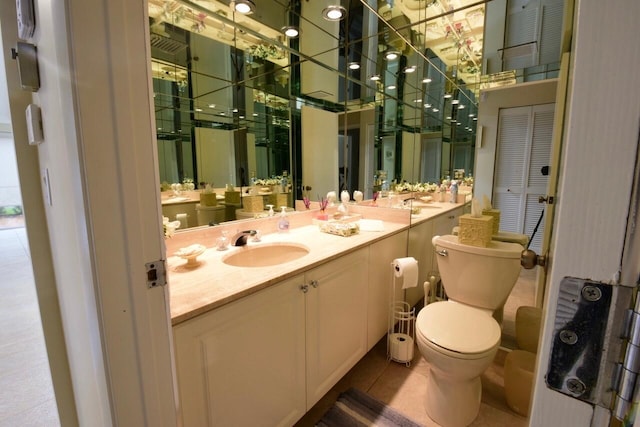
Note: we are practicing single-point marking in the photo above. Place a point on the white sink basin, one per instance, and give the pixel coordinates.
(265, 254)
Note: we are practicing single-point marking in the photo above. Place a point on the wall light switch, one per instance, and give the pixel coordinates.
(34, 124)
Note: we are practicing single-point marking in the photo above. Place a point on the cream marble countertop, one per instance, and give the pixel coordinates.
(197, 289)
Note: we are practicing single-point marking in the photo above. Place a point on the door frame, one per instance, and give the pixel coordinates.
(599, 148)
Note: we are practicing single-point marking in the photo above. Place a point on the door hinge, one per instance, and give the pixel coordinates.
(625, 374)
(156, 273)
(585, 362)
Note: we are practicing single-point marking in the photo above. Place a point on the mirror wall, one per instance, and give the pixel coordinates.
(393, 83)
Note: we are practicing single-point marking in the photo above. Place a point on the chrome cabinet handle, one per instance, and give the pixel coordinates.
(314, 283)
(304, 288)
(442, 252)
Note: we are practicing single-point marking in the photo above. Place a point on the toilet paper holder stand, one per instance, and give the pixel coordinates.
(401, 328)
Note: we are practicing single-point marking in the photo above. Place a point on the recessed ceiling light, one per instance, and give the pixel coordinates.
(448, 117)
(212, 105)
(242, 117)
(198, 109)
(427, 105)
(354, 65)
(410, 69)
(454, 101)
(243, 6)
(426, 80)
(435, 110)
(461, 107)
(374, 78)
(255, 114)
(290, 31)
(471, 114)
(417, 100)
(475, 118)
(447, 95)
(391, 87)
(334, 13)
(235, 110)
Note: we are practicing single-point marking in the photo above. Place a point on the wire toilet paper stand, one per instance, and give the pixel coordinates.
(401, 330)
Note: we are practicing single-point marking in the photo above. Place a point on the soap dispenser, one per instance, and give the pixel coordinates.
(283, 222)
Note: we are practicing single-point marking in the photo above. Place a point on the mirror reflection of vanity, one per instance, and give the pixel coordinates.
(238, 100)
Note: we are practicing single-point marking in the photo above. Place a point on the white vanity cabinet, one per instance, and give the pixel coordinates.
(244, 363)
(336, 314)
(443, 224)
(421, 249)
(267, 358)
(381, 255)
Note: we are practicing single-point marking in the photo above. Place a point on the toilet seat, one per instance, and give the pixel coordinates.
(439, 325)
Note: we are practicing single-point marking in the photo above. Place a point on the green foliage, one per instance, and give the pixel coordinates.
(13, 210)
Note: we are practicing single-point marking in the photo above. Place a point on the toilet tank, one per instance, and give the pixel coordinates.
(480, 277)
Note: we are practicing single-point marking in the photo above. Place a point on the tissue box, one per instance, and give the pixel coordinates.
(278, 199)
(495, 213)
(475, 231)
(253, 203)
(208, 199)
(232, 197)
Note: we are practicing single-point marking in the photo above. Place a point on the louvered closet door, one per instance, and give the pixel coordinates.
(524, 147)
(533, 34)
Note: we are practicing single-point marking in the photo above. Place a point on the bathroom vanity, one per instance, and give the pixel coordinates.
(261, 345)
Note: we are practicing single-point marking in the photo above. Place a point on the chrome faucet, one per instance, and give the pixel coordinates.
(240, 238)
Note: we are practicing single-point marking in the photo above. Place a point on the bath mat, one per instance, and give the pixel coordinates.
(355, 408)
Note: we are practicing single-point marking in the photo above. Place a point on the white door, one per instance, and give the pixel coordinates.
(524, 147)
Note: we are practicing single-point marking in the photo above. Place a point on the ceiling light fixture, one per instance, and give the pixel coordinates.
(427, 105)
(244, 7)
(391, 87)
(390, 55)
(290, 31)
(374, 78)
(455, 101)
(354, 66)
(334, 13)
(461, 107)
(410, 69)
(447, 95)
(426, 80)
(435, 110)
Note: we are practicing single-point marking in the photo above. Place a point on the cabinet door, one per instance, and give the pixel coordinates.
(336, 321)
(381, 255)
(443, 224)
(421, 249)
(243, 364)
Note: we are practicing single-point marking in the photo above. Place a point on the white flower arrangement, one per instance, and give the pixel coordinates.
(276, 180)
(418, 187)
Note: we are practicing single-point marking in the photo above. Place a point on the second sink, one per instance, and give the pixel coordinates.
(265, 254)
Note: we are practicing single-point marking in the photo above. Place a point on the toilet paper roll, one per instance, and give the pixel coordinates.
(407, 269)
(401, 347)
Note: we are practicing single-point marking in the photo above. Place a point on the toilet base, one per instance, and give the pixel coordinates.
(452, 403)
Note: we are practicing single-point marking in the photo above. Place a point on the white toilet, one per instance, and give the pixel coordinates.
(459, 337)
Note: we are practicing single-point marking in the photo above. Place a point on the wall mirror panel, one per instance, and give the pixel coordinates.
(393, 83)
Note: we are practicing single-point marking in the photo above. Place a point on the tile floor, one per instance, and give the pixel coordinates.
(28, 400)
(26, 392)
(403, 388)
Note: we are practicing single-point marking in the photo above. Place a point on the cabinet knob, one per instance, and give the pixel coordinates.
(314, 283)
(304, 288)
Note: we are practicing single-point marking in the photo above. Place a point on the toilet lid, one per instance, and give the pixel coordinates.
(441, 324)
